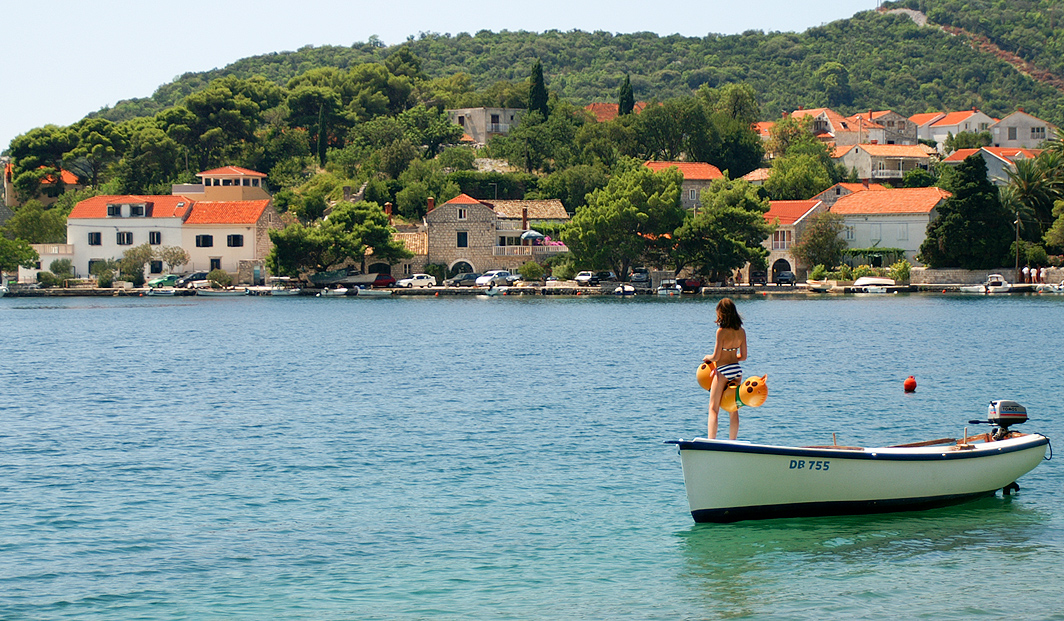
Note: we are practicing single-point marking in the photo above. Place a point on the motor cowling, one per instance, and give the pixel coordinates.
(1003, 413)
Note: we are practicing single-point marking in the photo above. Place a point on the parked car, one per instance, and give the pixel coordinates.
(640, 274)
(785, 278)
(418, 280)
(383, 280)
(494, 278)
(605, 276)
(585, 279)
(758, 277)
(690, 285)
(462, 280)
(163, 281)
(188, 279)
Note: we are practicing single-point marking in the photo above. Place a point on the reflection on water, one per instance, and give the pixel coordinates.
(736, 570)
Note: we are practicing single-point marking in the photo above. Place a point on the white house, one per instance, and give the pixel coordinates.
(892, 218)
(1020, 130)
(999, 160)
(954, 123)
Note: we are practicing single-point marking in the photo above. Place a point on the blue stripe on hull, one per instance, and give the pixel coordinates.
(816, 509)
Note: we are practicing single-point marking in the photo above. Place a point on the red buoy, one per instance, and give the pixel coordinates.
(910, 384)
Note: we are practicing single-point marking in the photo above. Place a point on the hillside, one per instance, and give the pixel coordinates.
(870, 61)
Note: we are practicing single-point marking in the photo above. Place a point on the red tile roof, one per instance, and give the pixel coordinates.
(956, 118)
(691, 171)
(230, 171)
(156, 206)
(892, 201)
(608, 111)
(1005, 153)
(764, 128)
(227, 212)
(789, 212)
(860, 187)
(926, 118)
(887, 150)
(757, 174)
(462, 199)
(960, 155)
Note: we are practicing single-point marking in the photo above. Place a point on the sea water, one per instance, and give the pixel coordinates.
(497, 458)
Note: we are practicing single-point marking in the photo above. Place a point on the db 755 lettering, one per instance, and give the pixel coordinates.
(801, 464)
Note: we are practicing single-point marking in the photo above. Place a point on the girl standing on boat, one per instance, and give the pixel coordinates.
(728, 352)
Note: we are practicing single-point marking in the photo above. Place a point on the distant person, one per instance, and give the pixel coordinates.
(1042, 274)
(1026, 274)
(730, 349)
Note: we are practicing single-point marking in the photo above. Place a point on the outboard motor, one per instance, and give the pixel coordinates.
(1003, 413)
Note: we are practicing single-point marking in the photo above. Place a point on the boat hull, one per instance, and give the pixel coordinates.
(729, 481)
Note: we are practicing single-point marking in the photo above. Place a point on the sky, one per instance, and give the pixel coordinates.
(65, 59)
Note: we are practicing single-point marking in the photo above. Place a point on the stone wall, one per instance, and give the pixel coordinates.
(927, 276)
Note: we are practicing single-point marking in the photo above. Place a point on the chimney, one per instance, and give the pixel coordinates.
(874, 142)
(524, 218)
(1019, 109)
(866, 184)
(388, 212)
(431, 203)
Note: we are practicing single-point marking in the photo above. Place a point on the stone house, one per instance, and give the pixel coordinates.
(470, 235)
(1020, 130)
(697, 176)
(883, 161)
(999, 160)
(896, 129)
(831, 195)
(890, 218)
(832, 128)
(790, 218)
(481, 124)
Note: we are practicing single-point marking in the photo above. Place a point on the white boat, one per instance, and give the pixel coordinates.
(1048, 288)
(669, 287)
(821, 286)
(222, 293)
(624, 289)
(995, 283)
(170, 291)
(730, 480)
(3, 290)
(367, 292)
(338, 292)
(872, 284)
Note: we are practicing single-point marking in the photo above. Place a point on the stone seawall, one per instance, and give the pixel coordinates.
(928, 276)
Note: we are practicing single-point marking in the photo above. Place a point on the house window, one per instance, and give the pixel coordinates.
(462, 213)
(156, 267)
(204, 241)
(95, 239)
(114, 211)
(92, 265)
(461, 120)
(124, 238)
(155, 237)
(903, 231)
(984, 126)
(781, 240)
(407, 269)
(463, 239)
(216, 264)
(234, 241)
(1038, 133)
(1012, 133)
(693, 195)
(136, 211)
(875, 232)
(849, 234)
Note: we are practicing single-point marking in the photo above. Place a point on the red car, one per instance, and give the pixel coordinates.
(383, 280)
(690, 285)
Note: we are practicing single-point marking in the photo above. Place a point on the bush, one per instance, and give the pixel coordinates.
(819, 272)
(137, 278)
(900, 271)
(218, 277)
(105, 279)
(439, 270)
(62, 268)
(862, 271)
(47, 279)
(531, 271)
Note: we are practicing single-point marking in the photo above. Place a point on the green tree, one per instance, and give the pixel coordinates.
(34, 224)
(967, 140)
(368, 223)
(38, 156)
(15, 253)
(100, 144)
(726, 233)
(972, 230)
(537, 91)
(620, 221)
(797, 177)
(173, 256)
(821, 242)
(834, 80)
(626, 98)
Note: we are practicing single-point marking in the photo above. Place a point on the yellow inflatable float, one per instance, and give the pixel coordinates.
(751, 392)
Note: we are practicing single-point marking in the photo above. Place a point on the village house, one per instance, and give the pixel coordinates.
(923, 123)
(697, 176)
(46, 196)
(790, 218)
(897, 129)
(470, 235)
(832, 128)
(831, 195)
(999, 160)
(222, 223)
(883, 161)
(954, 123)
(1020, 130)
(890, 218)
(481, 124)
(603, 112)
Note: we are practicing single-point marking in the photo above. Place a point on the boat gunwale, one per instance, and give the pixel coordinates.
(982, 449)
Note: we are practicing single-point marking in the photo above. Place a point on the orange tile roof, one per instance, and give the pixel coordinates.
(227, 212)
(231, 170)
(863, 122)
(860, 187)
(892, 201)
(890, 150)
(162, 206)
(1004, 153)
(960, 155)
(462, 199)
(758, 174)
(926, 118)
(691, 171)
(764, 128)
(548, 209)
(608, 111)
(956, 118)
(789, 212)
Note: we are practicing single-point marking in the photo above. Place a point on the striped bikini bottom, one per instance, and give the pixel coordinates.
(730, 371)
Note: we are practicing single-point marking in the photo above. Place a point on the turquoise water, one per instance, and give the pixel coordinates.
(496, 458)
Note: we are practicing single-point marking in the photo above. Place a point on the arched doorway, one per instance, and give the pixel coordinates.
(380, 268)
(461, 267)
(781, 265)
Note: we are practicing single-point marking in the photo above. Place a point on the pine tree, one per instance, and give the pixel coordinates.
(537, 92)
(626, 103)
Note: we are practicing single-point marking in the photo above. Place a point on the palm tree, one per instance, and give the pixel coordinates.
(1035, 186)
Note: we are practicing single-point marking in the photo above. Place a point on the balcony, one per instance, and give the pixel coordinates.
(527, 251)
(888, 174)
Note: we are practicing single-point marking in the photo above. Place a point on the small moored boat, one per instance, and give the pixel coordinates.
(668, 286)
(337, 292)
(995, 283)
(222, 293)
(624, 289)
(730, 480)
(821, 286)
(367, 292)
(872, 284)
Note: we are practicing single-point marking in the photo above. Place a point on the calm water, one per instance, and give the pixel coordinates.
(496, 459)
